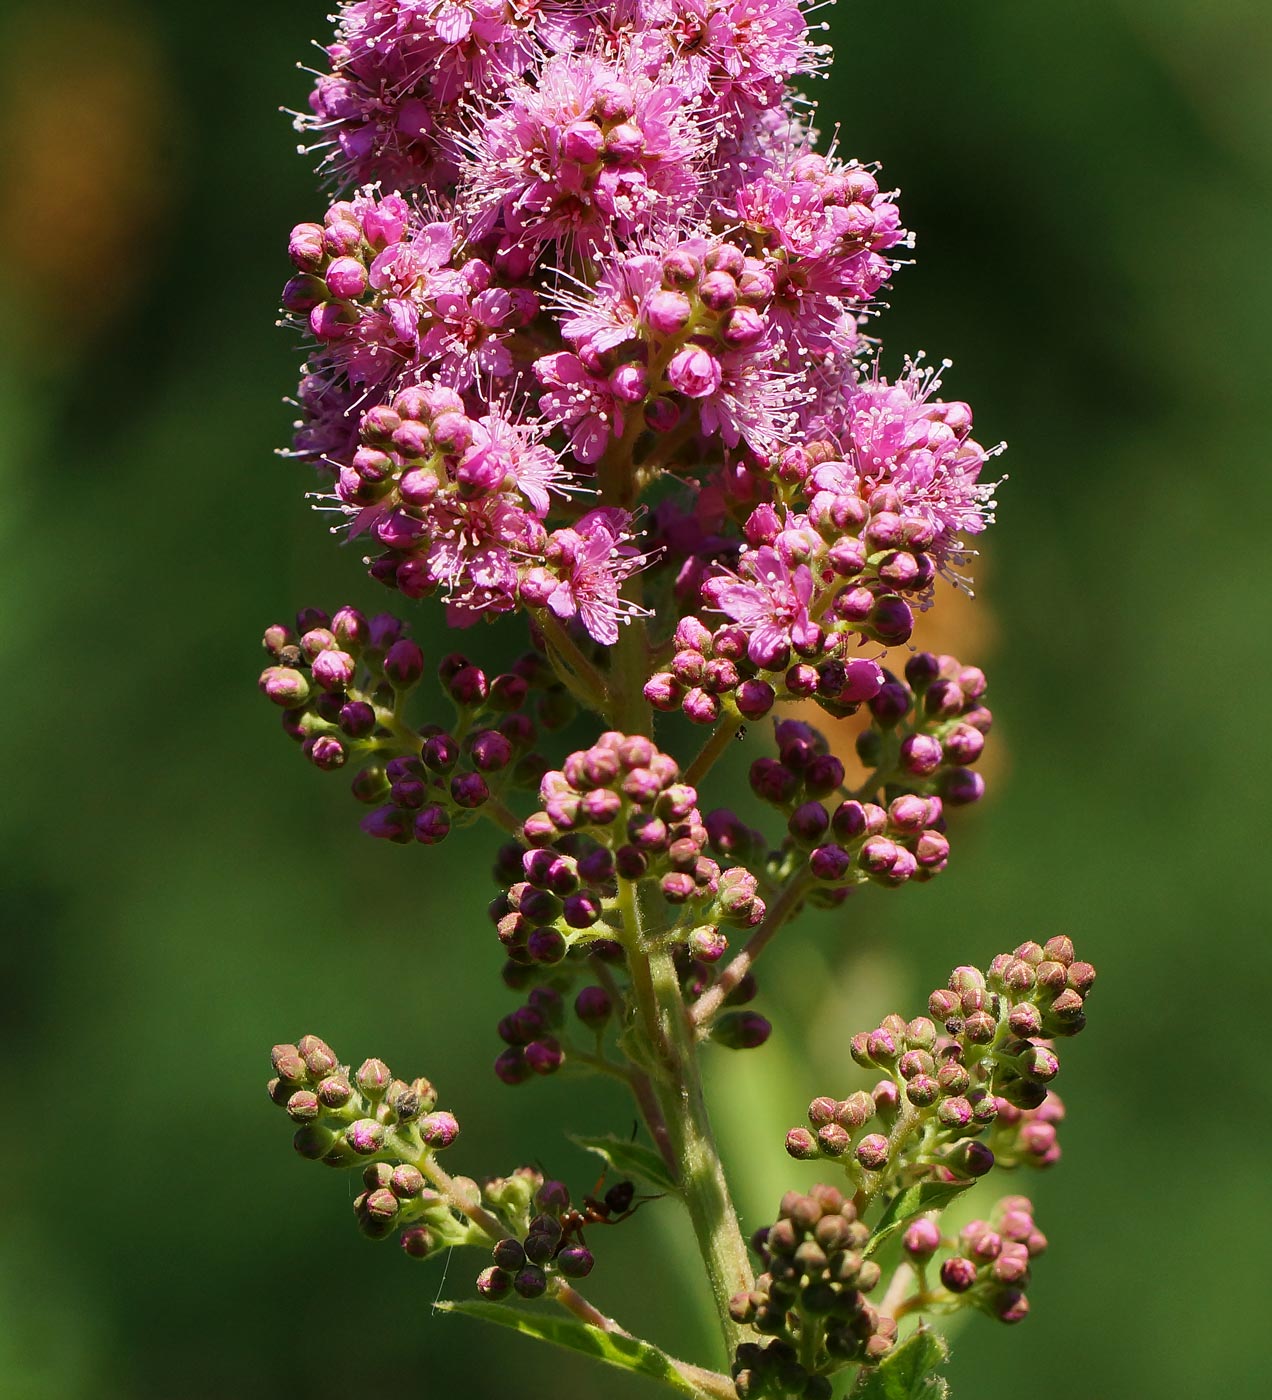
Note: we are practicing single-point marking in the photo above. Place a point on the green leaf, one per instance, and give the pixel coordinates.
(909, 1372)
(613, 1348)
(915, 1200)
(630, 1159)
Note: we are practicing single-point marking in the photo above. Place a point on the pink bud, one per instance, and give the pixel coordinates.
(667, 313)
(694, 372)
(347, 278)
(582, 142)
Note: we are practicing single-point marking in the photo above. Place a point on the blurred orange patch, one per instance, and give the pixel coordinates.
(84, 114)
(958, 624)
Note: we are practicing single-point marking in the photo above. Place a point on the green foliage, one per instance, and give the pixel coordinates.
(908, 1372)
(614, 1349)
(629, 1159)
(915, 1200)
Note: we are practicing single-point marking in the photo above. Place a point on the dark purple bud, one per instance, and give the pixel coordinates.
(509, 1254)
(922, 669)
(575, 1261)
(544, 1056)
(530, 1282)
(431, 824)
(404, 664)
(1011, 1305)
(468, 686)
(970, 1158)
(773, 781)
(491, 751)
(546, 945)
(511, 1067)
(593, 1006)
(944, 699)
(808, 823)
(469, 790)
(958, 1274)
(388, 824)
(741, 1030)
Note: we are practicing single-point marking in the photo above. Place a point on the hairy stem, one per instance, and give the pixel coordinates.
(671, 1046)
(677, 1084)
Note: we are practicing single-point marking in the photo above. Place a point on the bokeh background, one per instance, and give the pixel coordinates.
(1092, 188)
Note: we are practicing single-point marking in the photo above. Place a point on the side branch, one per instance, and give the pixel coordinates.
(792, 894)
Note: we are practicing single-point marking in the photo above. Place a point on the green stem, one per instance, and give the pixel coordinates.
(677, 1084)
(502, 816)
(445, 1184)
(584, 681)
(707, 755)
(670, 1055)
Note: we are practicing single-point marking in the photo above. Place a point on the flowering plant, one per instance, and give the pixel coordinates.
(588, 343)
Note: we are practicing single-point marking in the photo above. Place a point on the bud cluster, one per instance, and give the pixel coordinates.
(712, 674)
(389, 1126)
(990, 1269)
(846, 841)
(546, 1233)
(343, 681)
(966, 1087)
(810, 1299)
(928, 730)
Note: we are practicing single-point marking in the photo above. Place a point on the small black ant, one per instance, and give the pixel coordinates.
(619, 1203)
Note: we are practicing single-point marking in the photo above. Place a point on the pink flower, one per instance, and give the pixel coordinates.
(591, 562)
(580, 401)
(586, 156)
(771, 601)
(466, 336)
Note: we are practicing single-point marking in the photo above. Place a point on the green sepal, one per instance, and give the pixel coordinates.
(907, 1373)
(613, 1348)
(630, 1159)
(914, 1200)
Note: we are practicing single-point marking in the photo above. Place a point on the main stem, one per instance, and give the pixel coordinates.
(672, 1044)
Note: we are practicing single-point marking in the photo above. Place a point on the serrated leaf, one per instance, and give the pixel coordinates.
(630, 1159)
(909, 1372)
(914, 1200)
(613, 1348)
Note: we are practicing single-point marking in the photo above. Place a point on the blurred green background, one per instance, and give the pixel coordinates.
(1091, 188)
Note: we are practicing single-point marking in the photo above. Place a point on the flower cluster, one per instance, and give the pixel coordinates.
(570, 234)
(584, 345)
(984, 1054)
(810, 1299)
